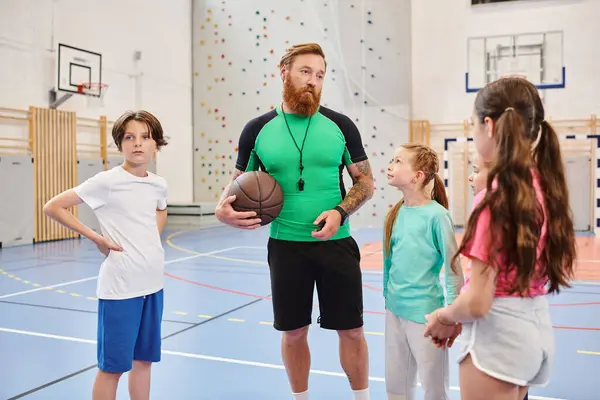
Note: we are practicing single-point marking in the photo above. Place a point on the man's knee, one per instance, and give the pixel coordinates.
(352, 334)
(296, 335)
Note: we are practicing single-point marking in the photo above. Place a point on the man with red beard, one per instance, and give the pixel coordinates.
(305, 147)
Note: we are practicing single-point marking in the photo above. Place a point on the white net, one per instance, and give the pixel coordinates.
(94, 93)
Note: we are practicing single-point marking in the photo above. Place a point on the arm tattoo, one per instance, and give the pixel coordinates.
(362, 189)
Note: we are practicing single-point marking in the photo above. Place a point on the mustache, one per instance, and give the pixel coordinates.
(307, 90)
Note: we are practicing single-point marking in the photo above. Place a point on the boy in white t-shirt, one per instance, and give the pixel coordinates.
(130, 204)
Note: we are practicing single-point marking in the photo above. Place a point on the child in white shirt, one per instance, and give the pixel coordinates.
(130, 204)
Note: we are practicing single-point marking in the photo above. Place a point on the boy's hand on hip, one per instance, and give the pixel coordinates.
(331, 220)
(105, 245)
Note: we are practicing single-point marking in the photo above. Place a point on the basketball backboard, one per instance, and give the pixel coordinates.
(538, 57)
(78, 71)
(77, 67)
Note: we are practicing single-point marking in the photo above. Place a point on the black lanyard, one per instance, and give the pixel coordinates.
(300, 181)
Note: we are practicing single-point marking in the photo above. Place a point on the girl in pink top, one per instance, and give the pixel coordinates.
(477, 181)
(521, 244)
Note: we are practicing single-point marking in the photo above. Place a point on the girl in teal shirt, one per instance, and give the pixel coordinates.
(419, 239)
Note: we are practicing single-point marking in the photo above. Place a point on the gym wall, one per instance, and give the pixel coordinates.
(160, 81)
(236, 49)
(440, 29)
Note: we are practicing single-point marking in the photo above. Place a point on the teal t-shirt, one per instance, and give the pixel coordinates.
(330, 143)
(423, 240)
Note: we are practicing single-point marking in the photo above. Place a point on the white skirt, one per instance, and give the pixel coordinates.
(514, 342)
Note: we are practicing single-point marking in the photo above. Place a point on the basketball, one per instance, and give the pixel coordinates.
(260, 192)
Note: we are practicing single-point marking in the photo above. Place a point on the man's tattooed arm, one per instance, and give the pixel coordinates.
(362, 189)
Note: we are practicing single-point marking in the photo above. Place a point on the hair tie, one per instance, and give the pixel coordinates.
(509, 108)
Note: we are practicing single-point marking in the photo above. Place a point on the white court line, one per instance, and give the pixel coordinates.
(48, 335)
(242, 260)
(585, 283)
(223, 359)
(49, 287)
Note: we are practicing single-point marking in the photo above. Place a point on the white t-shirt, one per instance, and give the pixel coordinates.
(125, 206)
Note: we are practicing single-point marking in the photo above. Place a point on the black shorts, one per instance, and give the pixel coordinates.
(334, 266)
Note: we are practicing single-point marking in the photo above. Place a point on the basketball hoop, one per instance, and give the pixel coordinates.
(514, 70)
(94, 93)
(515, 75)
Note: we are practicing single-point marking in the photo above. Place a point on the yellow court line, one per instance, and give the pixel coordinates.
(370, 333)
(169, 241)
(591, 353)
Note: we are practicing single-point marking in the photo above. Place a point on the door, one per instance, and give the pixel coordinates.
(85, 170)
(17, 213)
(577, 171)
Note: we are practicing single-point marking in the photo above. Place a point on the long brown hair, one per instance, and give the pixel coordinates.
(516, 215)
(424, 159)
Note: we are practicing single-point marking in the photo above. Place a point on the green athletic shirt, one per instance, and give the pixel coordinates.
(332, 142)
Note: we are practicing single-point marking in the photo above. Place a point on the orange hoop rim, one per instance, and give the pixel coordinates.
(91, 85)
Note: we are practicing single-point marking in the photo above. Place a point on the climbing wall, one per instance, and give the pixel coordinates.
(237, 46)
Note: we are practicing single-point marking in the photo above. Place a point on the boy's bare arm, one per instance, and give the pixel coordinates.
(161, 219)
(57, 209)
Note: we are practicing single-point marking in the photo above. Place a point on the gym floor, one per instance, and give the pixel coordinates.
(218, 339)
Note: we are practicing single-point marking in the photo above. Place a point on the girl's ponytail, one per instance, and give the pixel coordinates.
(390, 219)
(560, 251)
(438, 193)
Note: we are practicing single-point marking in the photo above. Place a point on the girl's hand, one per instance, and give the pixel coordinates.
(440, 331)
(447, 343)
(457, 331)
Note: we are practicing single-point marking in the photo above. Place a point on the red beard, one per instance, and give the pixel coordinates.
(304, 101)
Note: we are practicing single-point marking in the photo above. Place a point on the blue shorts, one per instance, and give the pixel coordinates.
(129, 330)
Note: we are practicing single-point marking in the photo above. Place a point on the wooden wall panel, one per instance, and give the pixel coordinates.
(55, 166)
